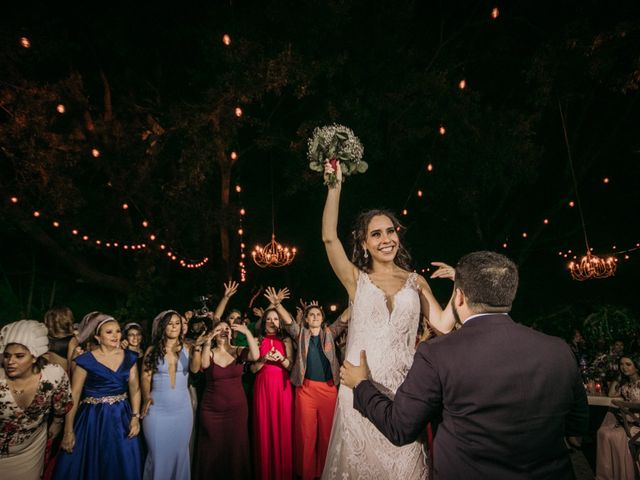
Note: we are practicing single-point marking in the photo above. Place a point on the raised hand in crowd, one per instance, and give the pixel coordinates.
(230, 289)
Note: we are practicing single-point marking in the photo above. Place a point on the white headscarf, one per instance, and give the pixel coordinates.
(28, 333)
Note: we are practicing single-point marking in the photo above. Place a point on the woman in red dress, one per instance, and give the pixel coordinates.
(273, 402)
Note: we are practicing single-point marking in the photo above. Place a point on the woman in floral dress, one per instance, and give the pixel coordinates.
(30, 391)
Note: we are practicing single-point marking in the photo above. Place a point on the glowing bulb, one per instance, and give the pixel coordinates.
(145, 224)
(162, 247)
(524, 235)
(333, 308)
(626, 257)
(606, 180)
(85, 237)
(546, 221)
(125, 206)
(74, 231)
(24, 41)
(405, 212)
(238, 188)
(495, 13)
(60, 108)
(98, 242)
(420, 193)
(14, 200)
(56, 224)
(242, 211)
(152, 237)
(95, 152)
(240, 231)
(572, 204)
(36, 214)
(234, 156)
(226, 39)
(442, 130)
(430, 167)
(116, 244)
(462, 84)
(504, 245)
(238, 112)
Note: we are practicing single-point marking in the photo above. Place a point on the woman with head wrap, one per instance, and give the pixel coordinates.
(100, 430)
(31, 389)
(167, 412)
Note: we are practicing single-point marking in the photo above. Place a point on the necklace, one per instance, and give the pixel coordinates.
(16, 391)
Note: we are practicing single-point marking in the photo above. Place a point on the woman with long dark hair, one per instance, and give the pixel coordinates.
(613, 458)
(273, 400)
(167, 411)
(388, 301)
(223, 442)
(60, 321)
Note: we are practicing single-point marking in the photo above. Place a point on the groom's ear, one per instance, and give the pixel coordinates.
(458, 298)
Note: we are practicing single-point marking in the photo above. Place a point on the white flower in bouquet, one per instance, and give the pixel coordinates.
(336, 143)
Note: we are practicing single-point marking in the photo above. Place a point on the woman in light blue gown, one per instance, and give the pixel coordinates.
(167, 412)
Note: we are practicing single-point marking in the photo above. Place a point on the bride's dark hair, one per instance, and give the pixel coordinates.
(359, 236)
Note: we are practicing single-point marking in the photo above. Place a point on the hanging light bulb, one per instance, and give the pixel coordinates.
(463, 84)
(495, 13)
(24, 41)
(226, 39)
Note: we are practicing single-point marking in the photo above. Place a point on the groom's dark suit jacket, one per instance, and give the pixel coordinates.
(508, 395)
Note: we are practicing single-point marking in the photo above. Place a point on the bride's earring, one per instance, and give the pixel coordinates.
(366, 254)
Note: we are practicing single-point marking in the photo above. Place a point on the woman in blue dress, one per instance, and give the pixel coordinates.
(100, 433)
(167, 411)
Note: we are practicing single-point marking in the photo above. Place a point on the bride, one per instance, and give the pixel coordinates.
(387, 302)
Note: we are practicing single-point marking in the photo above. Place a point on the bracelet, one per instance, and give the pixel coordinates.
(68, 433)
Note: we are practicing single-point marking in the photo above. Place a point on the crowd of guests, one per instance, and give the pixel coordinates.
(196, 395)
(206, 394)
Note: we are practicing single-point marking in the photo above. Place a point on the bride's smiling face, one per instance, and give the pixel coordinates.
(382, 239)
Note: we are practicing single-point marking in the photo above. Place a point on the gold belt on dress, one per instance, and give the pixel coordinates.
(111, 399)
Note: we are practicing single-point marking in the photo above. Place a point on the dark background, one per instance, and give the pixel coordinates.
(154, 88)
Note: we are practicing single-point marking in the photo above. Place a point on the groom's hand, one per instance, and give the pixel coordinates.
(351, 375)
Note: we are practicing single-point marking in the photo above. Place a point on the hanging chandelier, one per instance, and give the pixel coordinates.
(273, 254)
(592, 266)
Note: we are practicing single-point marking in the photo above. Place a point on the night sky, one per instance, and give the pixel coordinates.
(391, 71)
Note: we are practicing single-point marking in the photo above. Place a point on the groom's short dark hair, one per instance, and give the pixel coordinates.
(489, 281)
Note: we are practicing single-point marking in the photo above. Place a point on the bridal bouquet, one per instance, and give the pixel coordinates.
(333, 143)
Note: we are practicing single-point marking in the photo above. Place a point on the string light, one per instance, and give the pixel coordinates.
(24, 41)
(605, 180)
(430, 167)
(60, 108)
(572, 204)
(419, 193)
(98, 242)
(442, 130)
(463, 84)
(234, 156)
(238, 112)
(226, 39)
(95, 152)
(405, 212)
(525, 234)
(238, 188)
(505, 245)
(546, 221)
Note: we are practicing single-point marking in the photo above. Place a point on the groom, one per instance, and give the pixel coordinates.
(508, 395)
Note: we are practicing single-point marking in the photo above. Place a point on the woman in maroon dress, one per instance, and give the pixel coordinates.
(223, 441)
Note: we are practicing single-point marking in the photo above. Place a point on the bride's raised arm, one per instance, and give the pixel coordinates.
(345, 270)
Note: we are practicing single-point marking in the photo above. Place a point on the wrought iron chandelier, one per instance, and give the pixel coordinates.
(273, 254)
(590, 265)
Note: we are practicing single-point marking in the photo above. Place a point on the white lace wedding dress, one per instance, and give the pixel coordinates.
(357, 450)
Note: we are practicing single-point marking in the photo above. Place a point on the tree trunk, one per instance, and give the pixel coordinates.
(225, 190)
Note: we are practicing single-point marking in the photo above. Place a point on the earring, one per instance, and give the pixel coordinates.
(366, 254)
